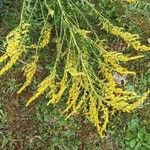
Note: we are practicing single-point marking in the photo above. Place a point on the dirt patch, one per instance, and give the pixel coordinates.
(21, 122)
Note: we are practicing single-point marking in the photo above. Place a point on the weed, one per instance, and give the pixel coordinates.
(136, 138)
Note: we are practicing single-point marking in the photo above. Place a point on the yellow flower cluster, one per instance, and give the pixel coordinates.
(56, 95)
(82, 32)
(83, 96)
(14, 47)
(3, 58)
(94, 111)
(131, 1)
(122, 100)
(131, 39)
(137, 103)
(29, 72)
(126, 102)
(105, 117)
(46, 83)
(73, 93)
(116, 56)
(45, 36)
(113, 96)
(97, 113)
(116, 97)
(107, 73)
(113, 58)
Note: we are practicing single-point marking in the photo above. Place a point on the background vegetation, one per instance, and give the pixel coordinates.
(44, 127)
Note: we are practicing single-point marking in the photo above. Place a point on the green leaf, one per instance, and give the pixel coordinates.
(137, 139)
(133, 125)
(138, 146)
(133, 143)
(48, 67)
(147, 137)
(140, 135)
(146, 145)
(126, 148)
(130, 87)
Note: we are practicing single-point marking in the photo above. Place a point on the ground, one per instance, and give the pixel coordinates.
(44, 127)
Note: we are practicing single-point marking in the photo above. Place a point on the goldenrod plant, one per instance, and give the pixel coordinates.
(131, 1)
(84, 68)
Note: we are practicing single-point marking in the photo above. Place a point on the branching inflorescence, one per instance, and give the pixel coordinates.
(85, 78)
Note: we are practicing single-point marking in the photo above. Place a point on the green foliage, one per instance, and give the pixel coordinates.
(8, 11)
(141, 7)
(136, 138)
(5, 137)
(56, 129)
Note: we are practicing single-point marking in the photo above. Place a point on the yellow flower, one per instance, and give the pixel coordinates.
(131, 1)
(55, 97)
(131, 39)
(137, 103)
(29, 72)
(47, 82)
(82, 32)
(14, 47)
(45, 36)
(10, 63)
